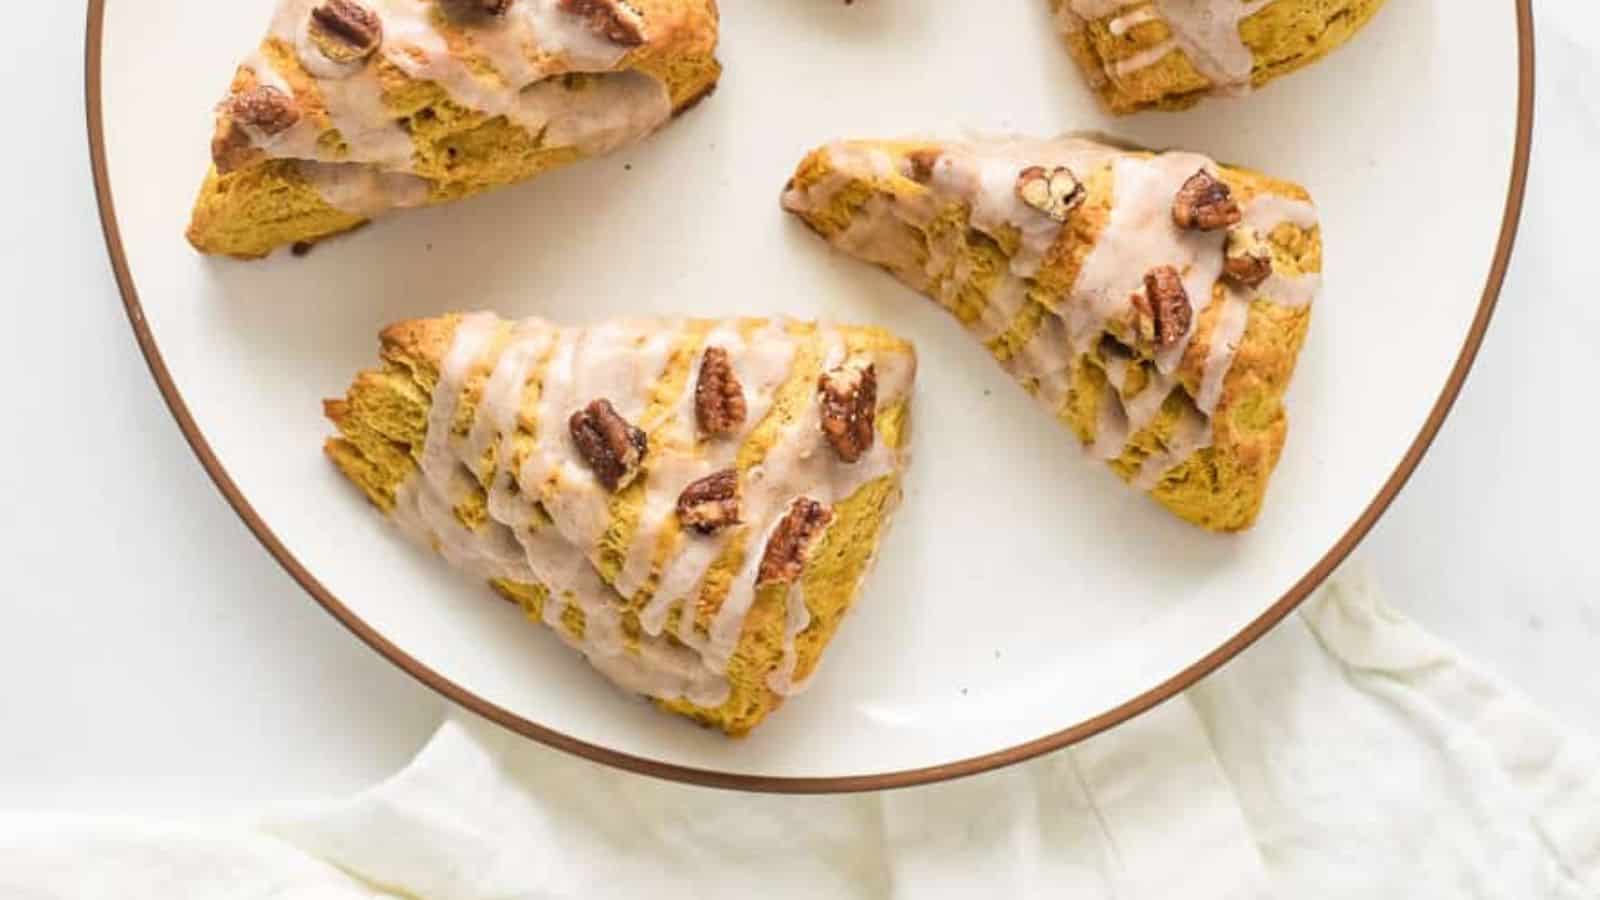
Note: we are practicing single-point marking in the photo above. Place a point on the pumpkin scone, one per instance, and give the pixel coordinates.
(691, 504)
(351, 108)
(1154, 303)
(1168, 54)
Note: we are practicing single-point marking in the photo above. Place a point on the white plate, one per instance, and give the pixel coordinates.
(1025, 598)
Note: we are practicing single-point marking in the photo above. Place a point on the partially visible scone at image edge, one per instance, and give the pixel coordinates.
(1169, 54)
(693, 505)
(352, 108)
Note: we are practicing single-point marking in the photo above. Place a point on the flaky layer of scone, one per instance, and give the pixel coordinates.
(351, 108)
(1184, 401)
(708, 572)
(1168, 54)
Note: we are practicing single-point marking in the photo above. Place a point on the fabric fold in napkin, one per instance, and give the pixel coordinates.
(1349, 754)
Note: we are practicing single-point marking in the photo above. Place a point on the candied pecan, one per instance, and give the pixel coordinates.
(345, 30)
(849, 399)
(785, 556)
(921, 163)
(1205, 203)
(231, 146)
(1054, 192)
(1169, 305)
(1249, 259)
(718, 397)
(712, 503)
(613, 20)
(475, 11)
(613, 448)
(264, 108)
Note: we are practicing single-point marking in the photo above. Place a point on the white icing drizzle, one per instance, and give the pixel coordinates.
(449, 477)
(798, 465)
(797, 619)
(624, 361)
(986, 178)
(528, 49)
(610, 111)
(679, 458)
(1144, 59)
(617, 361)
(502, 393)
(1112, 428)
(429, 516)
(473, 333)
(1004, 304)
(1141, 236)
(568, 35)
(1268, 211)
(1042, 366)
(1205, 31)
(1138, 236)
(1226, 333)
(502, 405)
(1265, 213)
(896, 248)
(541, 553)
(363, 190)
(1123, 24)
(1191, 433)
(1293, 291)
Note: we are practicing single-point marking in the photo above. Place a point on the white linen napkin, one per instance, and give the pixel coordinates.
(1348, 755)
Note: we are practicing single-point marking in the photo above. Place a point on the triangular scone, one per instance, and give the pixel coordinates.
(351, 108)
(1168, 54)
(1155, 303)
(692, 504)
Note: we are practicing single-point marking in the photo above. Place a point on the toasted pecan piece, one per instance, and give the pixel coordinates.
(613, 448)
(792, 541)
(1205, 203)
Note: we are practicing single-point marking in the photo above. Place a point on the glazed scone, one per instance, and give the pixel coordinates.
(1168, 54)
(691, 504)
(1154, 303)
(351, 108)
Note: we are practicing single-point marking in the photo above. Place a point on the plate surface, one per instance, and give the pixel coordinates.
(1025, 598)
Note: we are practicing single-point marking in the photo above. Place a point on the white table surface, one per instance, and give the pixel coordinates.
(154, 659)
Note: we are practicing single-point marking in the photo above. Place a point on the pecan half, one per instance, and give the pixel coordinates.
(345, 31)
(1169, 305)
(718, 397)
(849, 399)
(1249, 259)
(613, 448)
(792, 540)
(920, 164)
(1054, 192)
(1205, 203)
(264, 108)
(712, 503)
(231, 146)
(475, 11)
(614, 20)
